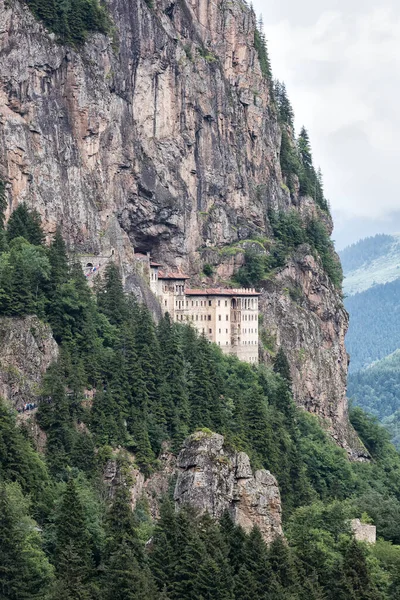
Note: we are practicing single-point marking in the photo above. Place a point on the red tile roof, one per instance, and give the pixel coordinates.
(163, 275)
(222, 292)
(154, 264)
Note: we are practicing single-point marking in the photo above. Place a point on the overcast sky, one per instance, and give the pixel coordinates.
(340, 60)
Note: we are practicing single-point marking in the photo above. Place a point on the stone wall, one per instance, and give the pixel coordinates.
(363, 532)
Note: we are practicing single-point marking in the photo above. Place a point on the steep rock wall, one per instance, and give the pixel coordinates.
(27, 348)
(303, 313)
(214, 479)
(165, 138)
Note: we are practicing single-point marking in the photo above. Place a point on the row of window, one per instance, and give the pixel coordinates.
(209, 302)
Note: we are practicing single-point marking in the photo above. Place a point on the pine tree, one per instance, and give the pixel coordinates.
(110, 298)
(74, 561)
(125, 579)
(175, 394)
(25, 573)
(26, 223)
(282, 367)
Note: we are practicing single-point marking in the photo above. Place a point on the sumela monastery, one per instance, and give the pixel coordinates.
(227, 317)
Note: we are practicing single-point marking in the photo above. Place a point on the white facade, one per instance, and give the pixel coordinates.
(227, 317)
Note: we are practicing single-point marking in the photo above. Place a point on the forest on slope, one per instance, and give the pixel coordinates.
(377, 390)
(62, 537)
(373, 338)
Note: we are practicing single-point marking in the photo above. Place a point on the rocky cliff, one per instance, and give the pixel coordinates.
(210, 477)
(164, 138)
(27, 348)
(214, 478)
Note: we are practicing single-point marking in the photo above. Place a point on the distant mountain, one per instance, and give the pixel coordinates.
(372, 286)
(374, 330)
(377, 390)
(369, 262)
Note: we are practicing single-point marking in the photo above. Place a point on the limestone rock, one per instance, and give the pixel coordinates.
(213, 478)
(27, 348)
(303, 313)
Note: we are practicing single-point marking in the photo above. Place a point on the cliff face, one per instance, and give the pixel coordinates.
(157, 140)
(27, 348)
(165, 139)
(303, 313)
(214, 479)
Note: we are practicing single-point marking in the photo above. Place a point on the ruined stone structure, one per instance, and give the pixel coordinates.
(363, 532)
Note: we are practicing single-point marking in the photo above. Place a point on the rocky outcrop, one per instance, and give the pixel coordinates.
(213, 478)
(27, 348)
(303, 313)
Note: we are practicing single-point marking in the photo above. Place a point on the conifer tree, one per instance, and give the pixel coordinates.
(25, 573)
(73, 552)
(110, 298)
(25, 222)
(282, 367)
(175, 394)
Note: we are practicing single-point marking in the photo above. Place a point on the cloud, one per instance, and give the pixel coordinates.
(341, 64)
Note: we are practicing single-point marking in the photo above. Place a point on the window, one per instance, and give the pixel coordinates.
(219, 331)
(192, 317)
(226, 302)
(197, 302)
(219, 343)
(192, 303)
(210, 303)
(210, 331)
(219, 302)
(227, 343)
(197, 317)
(226, 330)
(209, 317)
(227, 317)
(219, 317)
(203, 330)
(165, 302)
(201, 302)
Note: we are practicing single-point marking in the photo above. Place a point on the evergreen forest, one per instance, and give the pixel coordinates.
(62, 536)
(374, 330)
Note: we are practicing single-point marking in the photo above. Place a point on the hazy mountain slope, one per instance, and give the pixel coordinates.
(374, 330)
(377, 390)
(374, 260)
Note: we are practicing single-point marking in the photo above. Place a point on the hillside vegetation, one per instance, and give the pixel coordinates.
(62, 538)
(373, 338)
(374, 330)
(377, 390)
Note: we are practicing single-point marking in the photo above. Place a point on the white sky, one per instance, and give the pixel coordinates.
(340, 60)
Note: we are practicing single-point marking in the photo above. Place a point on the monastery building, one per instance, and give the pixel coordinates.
(227, 317)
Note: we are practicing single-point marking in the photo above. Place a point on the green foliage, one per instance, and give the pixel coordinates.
(377, 390)
(73, 20)
(25, 572)
(156, 384)
(260, 44)
(374, 329)
(208, 270)
(289, 233)
(25, 222)
(285, 110)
